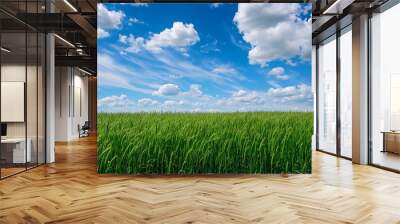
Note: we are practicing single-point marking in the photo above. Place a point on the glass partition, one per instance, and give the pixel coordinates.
(22, 88)
(13, 94)
(327, 95)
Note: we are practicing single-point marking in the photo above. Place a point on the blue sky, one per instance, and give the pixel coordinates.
(204, 57)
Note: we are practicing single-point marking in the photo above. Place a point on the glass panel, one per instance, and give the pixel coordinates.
(41, 99)
(327, 96)
(385, 93)
(314, 84)
(13, 86)
(23, 89)
(14, 8)
(31, 98)
(32, 87)
(346, 93)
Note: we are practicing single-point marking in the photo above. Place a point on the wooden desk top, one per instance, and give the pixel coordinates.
(13, 140)
(391, 132)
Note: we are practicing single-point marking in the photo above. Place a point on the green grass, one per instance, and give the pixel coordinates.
(193, 143)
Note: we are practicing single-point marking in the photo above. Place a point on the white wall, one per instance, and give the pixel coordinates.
(62, 81)
(70, 83)
(80, 88)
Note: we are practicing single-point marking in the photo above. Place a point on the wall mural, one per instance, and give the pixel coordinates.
(204, 88)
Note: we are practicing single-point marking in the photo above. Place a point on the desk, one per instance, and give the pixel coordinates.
(16, 147)
(391, 141)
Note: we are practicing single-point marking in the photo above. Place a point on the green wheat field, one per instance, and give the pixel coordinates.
(204, 143)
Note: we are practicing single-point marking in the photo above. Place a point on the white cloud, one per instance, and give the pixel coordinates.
(274, 31)
(274, 84)
(172, 103)
(301, 92)
(179, 36)
(112, 73)
(279, 73)
(175, 76)
(195, 90)
(123, 38)
(107, 79)
(215, 5)
(298, 97)
(108, 19)
(225, 69)
(238, 42)
(115, 101)
(194, 96)
(195, 71)
(136, 44)
(134, 20)
(289, 98)
(140, 4)
(283, 77)
(102, 33)
(239, 93)
(210, 47)
(137, 4)
(147, 102)
(244, 96)
(167, 90)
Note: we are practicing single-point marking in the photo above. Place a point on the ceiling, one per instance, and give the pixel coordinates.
(331, 15)
(74, 22)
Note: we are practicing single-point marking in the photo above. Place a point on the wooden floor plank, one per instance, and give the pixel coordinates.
(70, 191)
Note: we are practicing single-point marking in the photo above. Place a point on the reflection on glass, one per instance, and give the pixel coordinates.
(385, 93)
(395, 102)
(22, 90)
(31, 101)
(327, 96)
(346, 93)
(14, 150)
(41, 99)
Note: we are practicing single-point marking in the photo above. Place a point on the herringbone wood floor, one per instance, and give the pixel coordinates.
(70, 191)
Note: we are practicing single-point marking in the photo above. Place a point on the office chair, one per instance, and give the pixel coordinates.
(84, 130)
